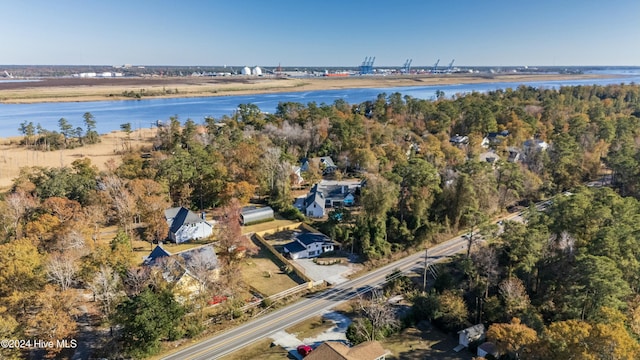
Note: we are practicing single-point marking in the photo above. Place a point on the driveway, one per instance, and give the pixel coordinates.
(335, 333)
(333, 274)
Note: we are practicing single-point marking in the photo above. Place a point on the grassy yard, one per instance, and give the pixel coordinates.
(431, 344)
(271, 226)
(309, 328)
(259, 350)
(261, 272)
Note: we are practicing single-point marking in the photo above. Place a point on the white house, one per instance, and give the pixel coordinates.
(459, 140)
(296, 176)
(329, 193)
(471, 334)
(324, 163)
(185, 225)
(314, 203)
(535, 145)
(308, 245)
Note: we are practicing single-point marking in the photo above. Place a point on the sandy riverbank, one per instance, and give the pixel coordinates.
(73, 90)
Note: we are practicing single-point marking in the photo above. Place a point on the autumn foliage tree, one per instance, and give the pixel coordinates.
(513, 338)
(232, 245)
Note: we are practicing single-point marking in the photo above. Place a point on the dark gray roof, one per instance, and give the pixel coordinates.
(181, 216)
(157, 253)
(327, 161)
(314, 195)
(294, 247)
(176, 265)
(310, 238)
(204, 255)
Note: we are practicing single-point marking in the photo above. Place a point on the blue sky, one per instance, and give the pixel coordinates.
(320, 33)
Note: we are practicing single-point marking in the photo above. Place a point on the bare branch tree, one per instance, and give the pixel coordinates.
(19, 204)
(121, 200)
(378, 312)
(136, 279)
(514, 294)
(106, 285)
(61, 270)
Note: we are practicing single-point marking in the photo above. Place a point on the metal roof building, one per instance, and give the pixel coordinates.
(252, 215)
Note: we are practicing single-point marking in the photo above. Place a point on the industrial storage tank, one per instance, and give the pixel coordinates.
(246, 70)
(257, 71)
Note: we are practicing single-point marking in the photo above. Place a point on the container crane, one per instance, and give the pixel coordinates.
(406, 68)
(450, 68)
(367, 65)
(435, 67)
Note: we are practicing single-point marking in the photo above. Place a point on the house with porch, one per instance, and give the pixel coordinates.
(188, 269)
(308, 245)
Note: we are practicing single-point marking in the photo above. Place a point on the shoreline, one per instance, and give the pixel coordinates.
(84, 90)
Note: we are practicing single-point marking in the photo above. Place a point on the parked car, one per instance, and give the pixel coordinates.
(304, 350)
(217, 299)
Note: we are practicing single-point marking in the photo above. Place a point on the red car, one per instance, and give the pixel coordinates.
(218, 299)
(304, 350)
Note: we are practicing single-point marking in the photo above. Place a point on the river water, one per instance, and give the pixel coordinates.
(145, 113)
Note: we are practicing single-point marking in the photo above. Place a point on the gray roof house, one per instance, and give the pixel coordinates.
(489, 156)
(471, 334)
(459, 140)
(187, 268)
(325, 163)
(535, 145)
(185, 225)
(329, 193)
(308, 245)
(494, 138)
(314, 203)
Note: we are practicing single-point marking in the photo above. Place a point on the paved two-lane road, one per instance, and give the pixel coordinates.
(262, 327)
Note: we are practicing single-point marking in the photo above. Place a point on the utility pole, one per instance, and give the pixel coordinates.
(426, 268)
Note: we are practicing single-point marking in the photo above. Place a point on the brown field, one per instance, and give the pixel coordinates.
(13, 156)
(60, 90)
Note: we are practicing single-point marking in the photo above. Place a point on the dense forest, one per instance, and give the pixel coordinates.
(566, 277)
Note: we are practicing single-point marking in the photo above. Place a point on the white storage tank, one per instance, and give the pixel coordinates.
(257, 71)
(246, 70)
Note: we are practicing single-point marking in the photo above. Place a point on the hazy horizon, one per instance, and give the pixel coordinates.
(331, 33)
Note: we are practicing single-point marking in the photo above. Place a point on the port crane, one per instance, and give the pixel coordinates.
(435, 67)
(406, 68)
(450, 68)
(367, 65)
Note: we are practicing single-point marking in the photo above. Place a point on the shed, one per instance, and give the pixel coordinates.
(253, 215)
